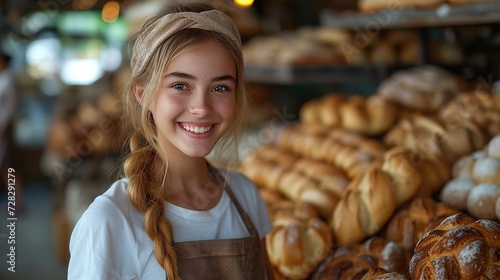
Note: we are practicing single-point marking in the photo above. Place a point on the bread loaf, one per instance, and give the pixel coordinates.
(487, 170)
(459, 248)
(424, 88)
(413, 220)
(377, 273)
(478, 107)
(370, 199)
(431, 137)
(297, 246)
(493, 148)
(367, 116)
(353, 261)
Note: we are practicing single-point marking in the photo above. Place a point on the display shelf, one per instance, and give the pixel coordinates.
(445, 15)
(314, 74)
(285, 75)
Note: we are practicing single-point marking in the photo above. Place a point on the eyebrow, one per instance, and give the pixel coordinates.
(191, 77)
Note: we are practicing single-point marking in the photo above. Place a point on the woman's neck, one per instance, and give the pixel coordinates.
(190, 185)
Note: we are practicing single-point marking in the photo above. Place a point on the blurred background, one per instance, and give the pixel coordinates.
(69, 61)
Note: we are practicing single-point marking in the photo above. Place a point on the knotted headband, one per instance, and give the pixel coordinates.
(151, 37)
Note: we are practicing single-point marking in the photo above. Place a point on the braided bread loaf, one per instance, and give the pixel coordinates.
(355, 260)
(367, 116)
(459, 248)
(377, 273)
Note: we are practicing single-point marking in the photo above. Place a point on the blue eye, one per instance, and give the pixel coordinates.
(221, 88)
(179, 86)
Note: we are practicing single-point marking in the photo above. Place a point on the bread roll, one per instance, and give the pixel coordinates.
(493, 148)
(456, 192)
(482, 200)
(297, 247)
(487, 170)
(354, 260)
(459, 248)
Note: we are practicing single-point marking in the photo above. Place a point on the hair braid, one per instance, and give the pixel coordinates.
(144, 190)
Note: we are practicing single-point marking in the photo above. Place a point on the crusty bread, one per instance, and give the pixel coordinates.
(365, 115)
(432, 137)
(478, 106)
(297, 246)
(459, 248)
(413, 220)
(371, 198)
(354, 260)
(378, 273)
(423, 88)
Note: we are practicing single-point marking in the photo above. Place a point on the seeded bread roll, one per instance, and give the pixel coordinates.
(459, 248)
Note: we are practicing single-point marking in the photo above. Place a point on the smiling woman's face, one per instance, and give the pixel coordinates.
(196, 103)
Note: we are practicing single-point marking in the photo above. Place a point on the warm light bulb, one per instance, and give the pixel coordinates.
(110, 11)
(244, 3)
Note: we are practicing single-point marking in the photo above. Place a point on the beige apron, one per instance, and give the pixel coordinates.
(239, 258)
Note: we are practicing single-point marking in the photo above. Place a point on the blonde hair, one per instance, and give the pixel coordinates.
(146, 165)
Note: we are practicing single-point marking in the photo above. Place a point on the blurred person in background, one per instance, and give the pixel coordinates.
(8, 105)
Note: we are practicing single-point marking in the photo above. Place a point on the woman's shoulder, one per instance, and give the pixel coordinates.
(111, 206)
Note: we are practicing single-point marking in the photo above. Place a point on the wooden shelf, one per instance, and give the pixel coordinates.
(314, 74)
(445, 15)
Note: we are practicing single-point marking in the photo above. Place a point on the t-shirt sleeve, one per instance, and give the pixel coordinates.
(97, 252)
(254, 205)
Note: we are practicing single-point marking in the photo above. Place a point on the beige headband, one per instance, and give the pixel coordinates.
(151, 38)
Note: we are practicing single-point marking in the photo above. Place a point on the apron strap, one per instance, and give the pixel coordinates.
(223, 182)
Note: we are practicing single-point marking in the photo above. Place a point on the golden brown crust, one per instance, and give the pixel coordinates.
(459, 248)
(355, 260)
(411, 222)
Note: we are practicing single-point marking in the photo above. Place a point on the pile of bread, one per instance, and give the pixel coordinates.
(351, 203)
(323, 46)
(378, 5)
(87, 128)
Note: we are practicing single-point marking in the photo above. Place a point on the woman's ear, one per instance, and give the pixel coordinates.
(138, 91)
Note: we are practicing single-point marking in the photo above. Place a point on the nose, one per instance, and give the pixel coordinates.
(200, 105)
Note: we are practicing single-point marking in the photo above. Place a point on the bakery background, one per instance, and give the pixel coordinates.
(373, 122)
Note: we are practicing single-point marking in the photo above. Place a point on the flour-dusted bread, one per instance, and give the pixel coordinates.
(459, 248)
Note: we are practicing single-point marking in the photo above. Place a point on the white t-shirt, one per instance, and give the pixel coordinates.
(109, 241)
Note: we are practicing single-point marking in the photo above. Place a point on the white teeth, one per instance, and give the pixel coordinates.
(196, 129)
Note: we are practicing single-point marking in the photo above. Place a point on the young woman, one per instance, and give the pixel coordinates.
(174, 215)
